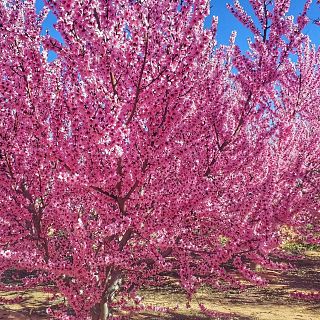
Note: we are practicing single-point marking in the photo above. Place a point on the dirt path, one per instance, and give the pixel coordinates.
(273, 302)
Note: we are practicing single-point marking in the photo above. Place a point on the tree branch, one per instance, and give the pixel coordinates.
(139, 89)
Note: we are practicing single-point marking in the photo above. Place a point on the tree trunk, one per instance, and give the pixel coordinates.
(105, 313)
(102, 310)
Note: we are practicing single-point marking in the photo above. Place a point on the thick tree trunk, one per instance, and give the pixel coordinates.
(102, 310)
(105, 312)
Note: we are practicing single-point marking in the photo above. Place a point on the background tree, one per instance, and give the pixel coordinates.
(145, 148)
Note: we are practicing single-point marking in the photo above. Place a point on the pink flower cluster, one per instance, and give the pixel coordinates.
(308, 296)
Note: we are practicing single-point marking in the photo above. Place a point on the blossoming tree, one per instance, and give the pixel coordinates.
(146, 148)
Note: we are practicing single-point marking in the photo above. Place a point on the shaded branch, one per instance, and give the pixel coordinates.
(139, 89)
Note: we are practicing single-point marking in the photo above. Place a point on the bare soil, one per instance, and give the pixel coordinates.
(272, 302)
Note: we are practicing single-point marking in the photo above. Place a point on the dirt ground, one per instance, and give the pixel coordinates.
(269, 303)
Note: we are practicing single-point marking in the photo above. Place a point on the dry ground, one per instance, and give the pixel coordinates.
(269, 303)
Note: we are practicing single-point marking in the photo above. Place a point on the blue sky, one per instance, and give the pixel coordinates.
(227, 22)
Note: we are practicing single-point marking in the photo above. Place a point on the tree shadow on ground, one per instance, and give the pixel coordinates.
(176, 316)
(6, 314)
